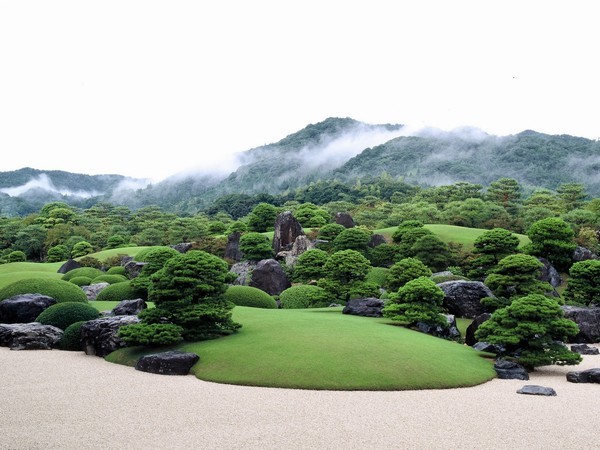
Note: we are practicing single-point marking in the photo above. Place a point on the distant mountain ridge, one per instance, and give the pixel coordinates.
(336, 148)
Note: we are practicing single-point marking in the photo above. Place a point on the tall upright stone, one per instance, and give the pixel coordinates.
(344, 219)
(287, 229)
(232, 249)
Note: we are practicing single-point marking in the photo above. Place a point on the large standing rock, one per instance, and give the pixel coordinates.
(92, 291)
(585, 376)
(377, 239)
(301, 244)
(232, 249)
(344, 219)
(69, 265)
(549, 273)
(243, 270)
(463, 298)
(583, 254)
(268, 276)
(508, 370)
(287, 229)
(133, 268)
(24, 308)
(29, 336)
(129, 307)
(472, 328)
(588, 320)
(99, 336)
(168, 363)
(367, 307)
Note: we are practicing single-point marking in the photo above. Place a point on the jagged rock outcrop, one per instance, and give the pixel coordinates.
(232, 249)
(243, 270)
(168, 363)
(183, 247)
(24, 308)
(92, 291)
(472, 328)
(344, 219)
(70, 264)
(100, 336)
(133, 268)
(463, 298)
(366, 307)
(301, 244)
(588, 320)
(549, 273)
(269, 276)
(287, 229)
(583, 254)
(129, 307)
(29, 336)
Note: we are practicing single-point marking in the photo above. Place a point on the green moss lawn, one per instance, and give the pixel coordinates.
(324, 349)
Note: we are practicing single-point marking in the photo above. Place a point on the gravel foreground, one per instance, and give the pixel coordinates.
(67, 400)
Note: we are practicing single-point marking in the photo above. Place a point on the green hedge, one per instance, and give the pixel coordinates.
(117, 292)
(90, 272)
(249, 296)
(304, 296)
(59, 290)
(81, 281)
(110, 279)
(62, 315)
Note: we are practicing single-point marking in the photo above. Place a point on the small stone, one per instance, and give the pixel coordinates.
(532, 389)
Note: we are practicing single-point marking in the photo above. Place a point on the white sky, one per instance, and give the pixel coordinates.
(149, 88)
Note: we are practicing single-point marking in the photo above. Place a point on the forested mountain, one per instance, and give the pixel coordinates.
(339, 151)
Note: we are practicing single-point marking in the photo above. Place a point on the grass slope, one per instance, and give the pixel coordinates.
(453, 233)
(324, 349)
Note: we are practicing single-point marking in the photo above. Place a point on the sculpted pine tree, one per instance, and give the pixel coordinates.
(419, 300)
(584, 283)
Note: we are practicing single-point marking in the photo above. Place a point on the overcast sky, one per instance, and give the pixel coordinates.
(150, 88)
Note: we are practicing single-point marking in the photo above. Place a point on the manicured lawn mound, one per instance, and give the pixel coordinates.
(89, 272)
(104, 254)
(324, 349)
(249, 296)
(59, 290)
(11, 272)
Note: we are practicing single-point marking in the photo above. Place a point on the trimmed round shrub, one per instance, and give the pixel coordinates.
(110, 279)
(61, 315)
(59, 290)
(90, 261)
(117, 292)
(117, 270)
(81, 281)
(16, 256)
(71, 339)
(378, 275)
(304, 296)
(142, 254)
(90, 272)
(249, 296)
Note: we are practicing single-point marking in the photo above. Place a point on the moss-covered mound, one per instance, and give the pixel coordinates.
(117, 292)
(62, 315)
(304, 296)
(90, 272)
(117, 270)
(59, 290)
(71, 339)
(81, 281)
(249, 296)
(110, 279)
(143, 254)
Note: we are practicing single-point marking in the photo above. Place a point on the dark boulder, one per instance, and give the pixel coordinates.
(69, 265)
(585, 376)
(232, 249)
(489, 348)
(367, 307)
(448, 332)
(344, 219)
(532, 389)
(243, 271)
(29, 336)
(549, 273)
(133, 268)
(463, 298)
(584, 349)
(508, 370)
(92, 291)
(588, 320)
(269, 276)
(472, 328)
(24, 308)
(287, 229)
(583, 254)
(129, 307)
(168, 363)
(183, 247)
(100, 336)
(376, 240)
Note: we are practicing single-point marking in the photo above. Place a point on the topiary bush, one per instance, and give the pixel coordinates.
(59, 290)
(142, 254)
(16, 256)
(90, 272)
(117, 270)
(110, 279)
(117, 292)
(249, 296)
(71, 339)
(90, 261)
(304, 296)
(62, 315)
(81, 281)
